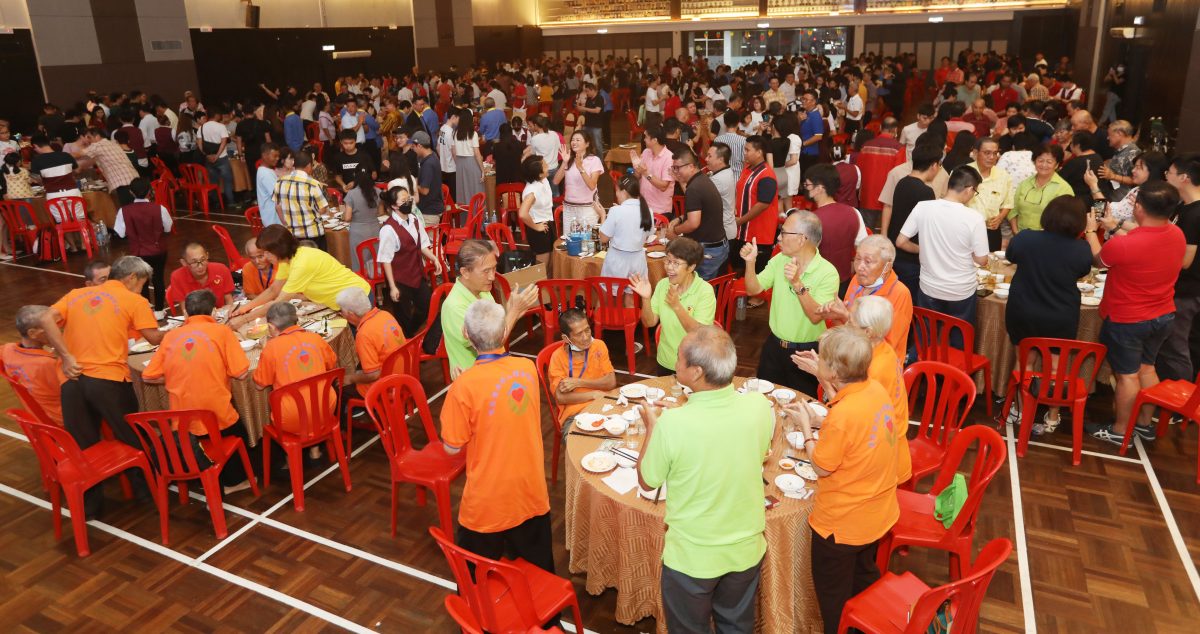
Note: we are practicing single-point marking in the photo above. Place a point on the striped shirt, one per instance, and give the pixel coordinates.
(111, 159)
(298, 197)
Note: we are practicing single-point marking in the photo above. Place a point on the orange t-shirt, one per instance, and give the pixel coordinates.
(378, 336)
(196, 360)
(96, 324)
(293, 355)
(593, 365)
(254, 282)
(861, 445)
(39, 371)
(900, 297)
(493, 412)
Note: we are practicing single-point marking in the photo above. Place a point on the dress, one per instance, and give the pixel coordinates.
(793, 172)
(468, 179)
(1043, 300)
(364, 223)
(626, 247)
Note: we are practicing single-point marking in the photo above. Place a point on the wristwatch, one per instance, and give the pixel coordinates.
(803, 290)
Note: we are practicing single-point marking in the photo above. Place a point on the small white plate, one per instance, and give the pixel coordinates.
(655, 393)
(599, 462)
(649, 495)
(783, 395)
(590, 422)
(633, 390)
(1090, 301)
(999, 254)
(140, 347)
(1084, 287)
(806, 471)
(631, 414)
(656, 254)
(758, 385)
(626, 462)
(1003, 286)
(248, 344)
(818, 409)
(787, 482)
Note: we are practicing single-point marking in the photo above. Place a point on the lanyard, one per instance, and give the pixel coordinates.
(863, 288)
(571, 363)
(270, 276)
(488, 358)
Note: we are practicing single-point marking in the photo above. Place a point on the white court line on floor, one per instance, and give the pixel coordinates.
(1188, 565)
(1019, 528)
(1086, 452)
(38, 268)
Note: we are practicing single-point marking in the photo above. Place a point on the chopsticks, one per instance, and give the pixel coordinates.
(602, 436)
(807, 462)
(626, 456)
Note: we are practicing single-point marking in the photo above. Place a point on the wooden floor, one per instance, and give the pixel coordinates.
(1108, 546)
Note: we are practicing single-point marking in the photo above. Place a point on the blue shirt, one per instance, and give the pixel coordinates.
(490, 122)
(429, 119)
(809, 128)
(372, 127)
(264, 184)
(608, 103)
(293, 133)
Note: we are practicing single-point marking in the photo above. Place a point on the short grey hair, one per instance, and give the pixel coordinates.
(809, 225)
(30, 317)
(1122, 126)
(282, 315)
(879, 242)
(484, 324)
(873, 314)
(127, 265)
(471, 253)
(712, 350)
(847, 352)
(354, 300)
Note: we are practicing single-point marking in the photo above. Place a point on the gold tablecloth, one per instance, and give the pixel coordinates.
(101, 207)
(563, 266)
(617, 540)
(241, 176)
(252, 403)
(618, 157)
(338, 243)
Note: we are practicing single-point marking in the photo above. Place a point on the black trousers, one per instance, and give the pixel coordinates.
(158, 266)
(840, 571)
(776, 365)
(735, 255)
(321, 241)
(697, 605)
(413, 307)
(449, 179)
(234, 472)
(86, 401)
(530, 540)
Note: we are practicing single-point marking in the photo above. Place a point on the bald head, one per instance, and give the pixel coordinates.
(1082, 121)
(256, 255)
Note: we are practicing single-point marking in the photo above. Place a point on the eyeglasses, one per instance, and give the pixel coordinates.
(676, 168)
(199, 262)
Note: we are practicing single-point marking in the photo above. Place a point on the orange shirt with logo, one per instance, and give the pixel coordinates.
(39, 371)
(293, 355)
(96, 324)
(378, 336)
(254, 282)
(196, 360)
(861, 444)
(493, 411)
(900, 297)
(567, 364)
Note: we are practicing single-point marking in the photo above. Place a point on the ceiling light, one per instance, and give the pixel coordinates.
(327, 47)
(602, 30)
(936, 18)
(763, 25)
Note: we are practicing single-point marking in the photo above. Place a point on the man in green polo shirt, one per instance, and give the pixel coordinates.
(476, 262)
(681, 302)
(803, 282)
(713, 550)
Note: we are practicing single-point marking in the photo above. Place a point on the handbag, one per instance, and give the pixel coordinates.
(950, 501)
(514, 260)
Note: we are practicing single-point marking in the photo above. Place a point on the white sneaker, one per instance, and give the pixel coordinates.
(637, 347)
(160, 315)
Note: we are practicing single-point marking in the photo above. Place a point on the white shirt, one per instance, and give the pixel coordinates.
(119, 222)
(726, 181)
(468, 147)
(148, 125)
(789, 92)
(404, 94)
(389, 242)
(497, 96)
(307, 109)
(909, 135)
(351, 120)
(854, 104)
(543, 200)
(445, 147)
(950, 233)
(546, 145)
(651, 97)
(214, 132)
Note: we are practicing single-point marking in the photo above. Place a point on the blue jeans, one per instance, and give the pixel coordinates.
(714, 259)
(221, 172)
(963, 309)
(597, 141)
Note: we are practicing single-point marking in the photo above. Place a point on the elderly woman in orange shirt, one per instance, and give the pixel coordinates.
(860, 459)
(874, 277)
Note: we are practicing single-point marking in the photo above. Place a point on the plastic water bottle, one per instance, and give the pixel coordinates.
(102, 237)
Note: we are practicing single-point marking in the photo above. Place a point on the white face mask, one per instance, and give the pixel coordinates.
(878, 282)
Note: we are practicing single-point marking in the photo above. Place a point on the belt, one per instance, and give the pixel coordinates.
(713, 245)
(788, 345)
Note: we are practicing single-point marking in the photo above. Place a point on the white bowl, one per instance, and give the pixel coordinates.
(599, 462)
(616, 425)
(1003, 286)
(1002, 293)
(628, 463)
(1084, 287)
(999, 254)
(1090, 301)
(248, 344)
(783, 396)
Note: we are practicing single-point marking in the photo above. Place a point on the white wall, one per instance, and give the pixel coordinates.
(14, 14)
(228, 14)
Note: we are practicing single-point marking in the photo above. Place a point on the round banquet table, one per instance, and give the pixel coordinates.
(991, 337)
(337, 241)
(617, 540)
(576, 267)
(618, 157)
(101, 207)
(241, 175)
(251, 402)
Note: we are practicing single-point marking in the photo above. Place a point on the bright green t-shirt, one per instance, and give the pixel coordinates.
(319, 276)
(1030, 201)
(699, 301)
(710, 454)
(454, 314)
(787, 319)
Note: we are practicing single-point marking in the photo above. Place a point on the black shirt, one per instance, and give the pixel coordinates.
(507, 157)
(1188, 284)
(1040, 129)
(909, 191)
(349, 165)
(702, 195)
(253, 133)
(57, 170)
(429, 175)
(1072, 171)
(779, 146)
(1044, 301)
(397, 162)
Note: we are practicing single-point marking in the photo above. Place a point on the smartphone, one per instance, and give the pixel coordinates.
(1098, 207)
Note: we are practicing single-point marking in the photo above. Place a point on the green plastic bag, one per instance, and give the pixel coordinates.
(951, 500)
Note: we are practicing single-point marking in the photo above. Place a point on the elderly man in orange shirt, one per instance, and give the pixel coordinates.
(30, 364)
(196, 362)
(874, 277)
(378, 336)
(258, 274)
(581, 371)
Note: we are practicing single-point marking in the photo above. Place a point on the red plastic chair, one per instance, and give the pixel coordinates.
(435, 309)
(334, 195)
(508, 206)
(931, 334)
(390, 402)
(448, 204)
(543, 370)
(737, 290)
(558, 221)
(236, 259)
(312, 132)
(564, 294)
(1180, 397)
(917, 525)
(368, 267)
(402, 360)
(948, 396)
(635, 130)
(903, 604)
(501, 235)
(458, 609)
(611, 313)
(176, 461)
(316, 404)
(722, 288)
(437, 244)
(160, 167)
(508, 595)
(1063, 385)
(29, 235)
(501, 291)
(255, 219)
(73, 211)
(661, 221)
(678, 206)
(76, 470)
(196, 186)
(173, 298)
(476, 210)
(164, 193)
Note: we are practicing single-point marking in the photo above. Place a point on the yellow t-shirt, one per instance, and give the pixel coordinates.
(319, 276)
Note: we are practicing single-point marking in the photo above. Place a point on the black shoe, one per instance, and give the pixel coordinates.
(1147, 433)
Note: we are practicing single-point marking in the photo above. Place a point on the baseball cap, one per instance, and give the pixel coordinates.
(422, 139)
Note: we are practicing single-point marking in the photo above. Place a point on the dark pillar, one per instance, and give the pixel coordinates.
(444, 31)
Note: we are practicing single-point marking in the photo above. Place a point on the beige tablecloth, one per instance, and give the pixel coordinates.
(618, 156)
(241, 175)
(617, 541)
(101, 207)
(563, 266)
(338, 243)
(252, 403)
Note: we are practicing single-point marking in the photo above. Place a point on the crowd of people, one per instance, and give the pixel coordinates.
(793, 173)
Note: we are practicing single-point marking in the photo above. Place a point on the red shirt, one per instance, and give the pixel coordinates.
(220, 281)
(1143, 266)
(1001, 97)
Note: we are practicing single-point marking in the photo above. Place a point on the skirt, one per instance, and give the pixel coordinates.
(583, 214)
(468, 179)
(624, 264)
(793, 179)
(782, 181)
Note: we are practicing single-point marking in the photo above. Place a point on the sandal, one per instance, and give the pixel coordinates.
(1046, 426)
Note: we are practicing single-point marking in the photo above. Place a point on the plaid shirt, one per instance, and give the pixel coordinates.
(111, 159)
(298, 198)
